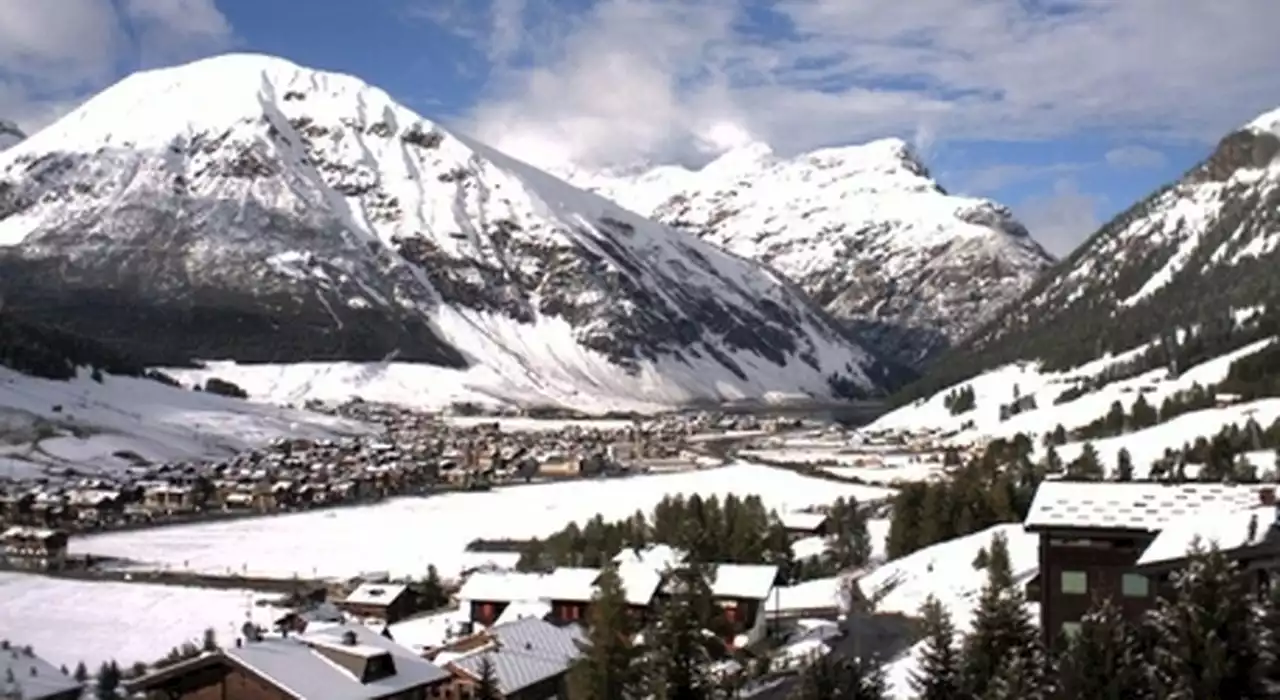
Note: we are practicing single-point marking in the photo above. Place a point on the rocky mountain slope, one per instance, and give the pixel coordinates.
(243, 207)
(1196, 259)
(10, 134)
(863, 229)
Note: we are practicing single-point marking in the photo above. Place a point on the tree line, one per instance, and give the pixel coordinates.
(735, 530)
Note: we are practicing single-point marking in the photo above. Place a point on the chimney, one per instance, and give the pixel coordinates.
(1267, 495)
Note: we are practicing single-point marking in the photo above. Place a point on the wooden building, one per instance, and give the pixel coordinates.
(742, 591)
(388, 602)
(800, 524)
(342, 662)
(1092, 536)
(34, 549)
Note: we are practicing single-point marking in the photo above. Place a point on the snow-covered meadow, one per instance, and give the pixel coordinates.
(84, 423)
(403, 536)
(68, 621)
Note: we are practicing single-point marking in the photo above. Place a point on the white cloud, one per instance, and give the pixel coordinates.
(628, 79)
(52, 53)
(1060, 220)
(1135, 157)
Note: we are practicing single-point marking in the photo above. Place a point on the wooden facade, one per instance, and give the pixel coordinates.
(487, 612)
(390, 611)
(1079, 566)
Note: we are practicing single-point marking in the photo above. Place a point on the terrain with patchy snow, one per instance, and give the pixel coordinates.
(1001, 387)
(243, 207)
(110, 424)
(863, 229)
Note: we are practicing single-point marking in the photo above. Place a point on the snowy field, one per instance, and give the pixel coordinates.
(82, 422)
(1000, 386)
(836, 454)
(404, 535)
(70, 621)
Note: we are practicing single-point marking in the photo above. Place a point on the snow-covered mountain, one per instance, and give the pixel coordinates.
(10, 134)
(1194, 253)
(247, 208)
(863, 229)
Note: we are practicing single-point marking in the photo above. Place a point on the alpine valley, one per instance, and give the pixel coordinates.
(245, 208)
(864, 230)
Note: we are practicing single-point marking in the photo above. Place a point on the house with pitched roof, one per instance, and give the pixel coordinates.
(1122, 540)
(385, 602)
(344, 662)
(529, 659)
(25, 675)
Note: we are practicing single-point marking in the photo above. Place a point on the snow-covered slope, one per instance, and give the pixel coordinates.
(10, 134)
(248, 208)
(863, 229)
(88, 424)
(1056, 399)
(1188, 254)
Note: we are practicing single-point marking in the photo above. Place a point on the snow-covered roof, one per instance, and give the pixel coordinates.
(639, 582)
(1146, 506)
(658, 556)
(570, 583)
(796, 520)
(293, 665)
(376, 593)
(528, 651)
(522, 609)
(744, 581)
(1226, 530)
(502, 586)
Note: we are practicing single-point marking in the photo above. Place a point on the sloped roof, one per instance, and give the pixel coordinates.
(528, 651)
(33, 677)
(1142, 506)
(1226, 530)
(292, 665)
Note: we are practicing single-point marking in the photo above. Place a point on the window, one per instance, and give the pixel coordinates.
(1075, 582)
(1070, 629)
(1135, 586)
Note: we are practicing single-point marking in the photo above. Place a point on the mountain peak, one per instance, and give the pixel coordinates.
(1268, 121)
(244, 207)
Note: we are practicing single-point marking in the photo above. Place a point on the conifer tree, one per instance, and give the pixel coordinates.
(937, 674)
(486, 687)
(1086, 467)
(1210, 641)
(681, 645)
(1002, 628)
(1124, 465)
(855, 678)
(81, 672)
(607, 668)
(1021, 677)
(1105, 659)
(108, 681)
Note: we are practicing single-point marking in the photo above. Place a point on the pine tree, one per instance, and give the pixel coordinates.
(937, 674)
(108, 681)
(81, 672)
(1002, 628)
(1105, 661)
(1021, 677)
(607, 668)
(828, 678)
(1210, 642)
(486, 686)
(1124, 465)
(681, 647)
(1086, 467)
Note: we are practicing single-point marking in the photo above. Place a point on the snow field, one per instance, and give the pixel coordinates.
(403, 536)
(68, 621)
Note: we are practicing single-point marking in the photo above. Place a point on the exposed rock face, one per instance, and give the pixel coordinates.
(863, 229)
(247, 208)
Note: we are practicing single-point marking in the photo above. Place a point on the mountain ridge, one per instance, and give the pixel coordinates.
(863, 229)
(309, 216)
(1198, 253)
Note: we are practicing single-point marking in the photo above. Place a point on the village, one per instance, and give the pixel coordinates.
(413, 453)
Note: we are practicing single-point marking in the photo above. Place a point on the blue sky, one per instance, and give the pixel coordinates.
(1066, 110)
